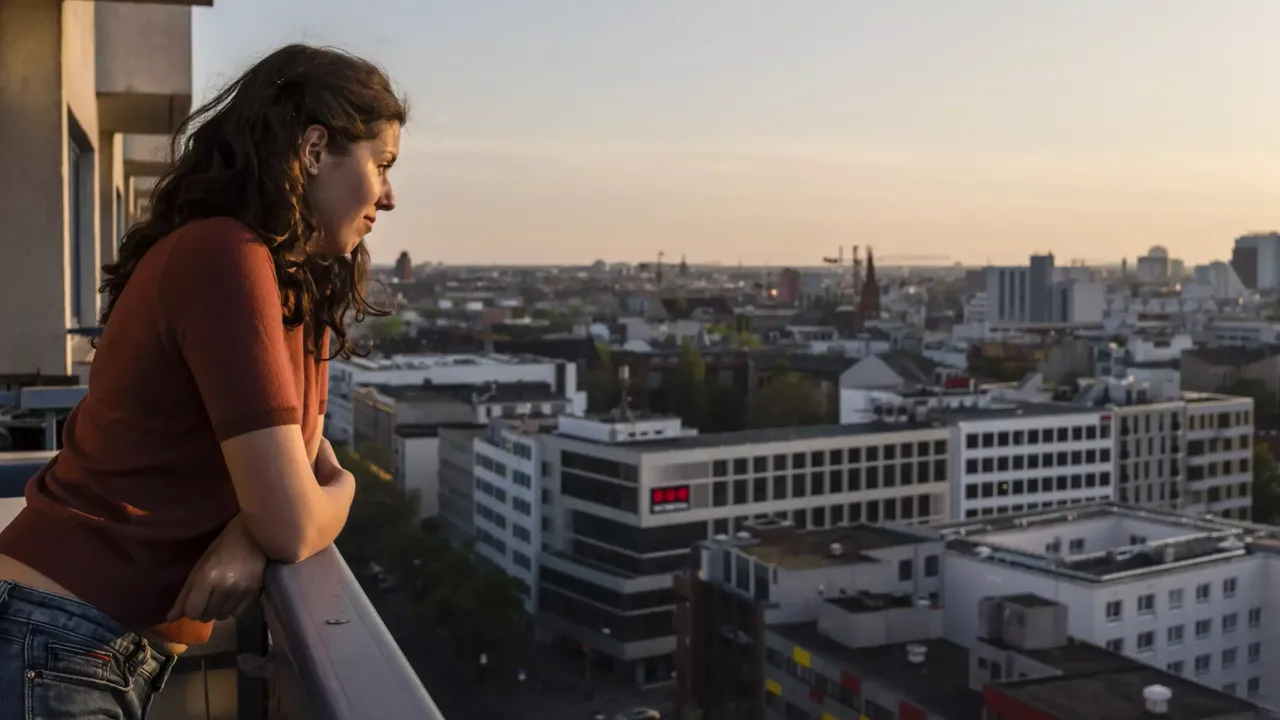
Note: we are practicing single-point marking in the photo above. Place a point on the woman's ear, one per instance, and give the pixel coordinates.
(315, 142)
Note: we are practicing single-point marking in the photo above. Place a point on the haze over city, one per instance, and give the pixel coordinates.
(770, 133)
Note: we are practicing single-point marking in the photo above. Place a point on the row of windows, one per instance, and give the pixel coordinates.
(825, 482)
(1015, 508)
(1005, 463)
(1203, 663)
(1130, 425)
(1032, 486)
(491, 490)
(1036, 436)
(1203, 596)
(522, 478)
(909, 507)
(522, 506)
(487, 538)
(1212, 446)
(1135, 445)
(1213, 469)
(489, 514)
(521, 560)
(834, 458)
(1219, 420)
(521, 533)
(602, 467)
(493, 466)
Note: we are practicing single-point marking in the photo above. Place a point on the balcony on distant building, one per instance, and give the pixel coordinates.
(315, 648)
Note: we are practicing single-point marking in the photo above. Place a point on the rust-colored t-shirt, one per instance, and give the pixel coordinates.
(196, 352)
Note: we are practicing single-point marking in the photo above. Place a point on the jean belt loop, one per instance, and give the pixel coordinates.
(5, 587)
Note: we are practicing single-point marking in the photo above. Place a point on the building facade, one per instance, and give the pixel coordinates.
(1191, 596)
(625, 499)
(1031, 457)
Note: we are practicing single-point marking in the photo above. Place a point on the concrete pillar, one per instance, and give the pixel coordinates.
(33, 242)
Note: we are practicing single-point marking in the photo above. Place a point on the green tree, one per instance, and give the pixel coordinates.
(478, 605)
(1266, 485)
(378, 455)
(785, 401)
(691, 386)
(1264, 401)
(727, 409)
(386, 328)
(601, 382)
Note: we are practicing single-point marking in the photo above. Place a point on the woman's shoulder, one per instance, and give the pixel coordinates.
(210, 244)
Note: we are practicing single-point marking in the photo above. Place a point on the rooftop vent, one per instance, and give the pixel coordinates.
(982, 551)
(1156, 698)
(1230, 543)
(720, 537)
(742, 535)
(916, 653)
(836, 549)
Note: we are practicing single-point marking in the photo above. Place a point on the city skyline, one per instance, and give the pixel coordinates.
(758, 132)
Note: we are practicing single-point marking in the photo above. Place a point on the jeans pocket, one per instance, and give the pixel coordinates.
(68, 679)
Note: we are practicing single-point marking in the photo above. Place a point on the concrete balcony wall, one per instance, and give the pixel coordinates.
(143, 66)
(47, 93)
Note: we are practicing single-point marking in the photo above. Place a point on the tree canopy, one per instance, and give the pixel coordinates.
(476, 604)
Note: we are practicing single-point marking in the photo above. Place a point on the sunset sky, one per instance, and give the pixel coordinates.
(772, 131)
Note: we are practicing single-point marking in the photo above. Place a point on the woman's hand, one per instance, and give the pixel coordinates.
(226, 581)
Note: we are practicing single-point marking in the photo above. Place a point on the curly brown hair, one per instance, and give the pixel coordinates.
(239, 156)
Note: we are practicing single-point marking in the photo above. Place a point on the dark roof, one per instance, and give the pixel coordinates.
(1114, 692)
(940, 684)
(473, 393)
(912, 367)
(1037, 409)
(685, 307)
(792, 549)
(1232, 356)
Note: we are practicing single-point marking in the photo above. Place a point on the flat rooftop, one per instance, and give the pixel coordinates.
(792, 549)
(1115, 539)
(780, 435)
(1013, 410)
(940, 684)
(428, 361)
(1115, 693)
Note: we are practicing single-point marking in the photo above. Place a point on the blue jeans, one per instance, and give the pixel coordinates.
(62, 659)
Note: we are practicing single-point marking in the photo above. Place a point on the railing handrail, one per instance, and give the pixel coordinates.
(345, 658)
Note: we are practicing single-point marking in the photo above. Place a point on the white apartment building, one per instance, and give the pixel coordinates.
(346, 376)
(1193, 596)
(1030, 456)
(508, 502)
(624, 499)
(1219, 431)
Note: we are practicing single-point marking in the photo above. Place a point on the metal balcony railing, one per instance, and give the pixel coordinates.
(315, 649)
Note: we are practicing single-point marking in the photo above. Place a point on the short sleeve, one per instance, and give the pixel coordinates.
(322, 373)
(221, 307)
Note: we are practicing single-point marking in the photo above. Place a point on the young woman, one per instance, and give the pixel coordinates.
(197, 454)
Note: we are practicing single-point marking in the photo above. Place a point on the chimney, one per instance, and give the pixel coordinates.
(1156, 698)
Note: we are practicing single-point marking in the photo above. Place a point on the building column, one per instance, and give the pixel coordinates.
(34, 293)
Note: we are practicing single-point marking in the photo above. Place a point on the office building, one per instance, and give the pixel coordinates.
(1186, 594)
(347, 377)
(857, 622)
(1219, 432)
(626, 497)
(1030, 456)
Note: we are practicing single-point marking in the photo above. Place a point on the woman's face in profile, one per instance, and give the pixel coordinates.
(347, 191)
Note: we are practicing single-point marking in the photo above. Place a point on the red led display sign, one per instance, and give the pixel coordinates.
(669, 499)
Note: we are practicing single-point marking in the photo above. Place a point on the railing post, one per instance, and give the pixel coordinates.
(251, 646)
